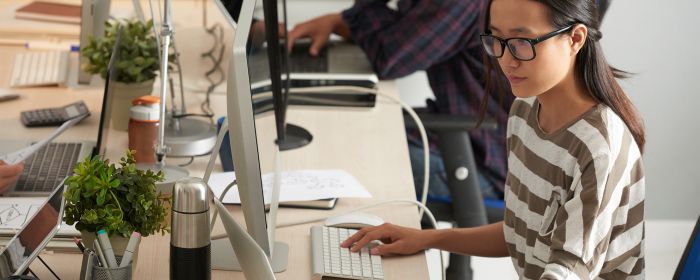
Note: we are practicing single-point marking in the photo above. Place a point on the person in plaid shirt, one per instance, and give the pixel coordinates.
(442, 39)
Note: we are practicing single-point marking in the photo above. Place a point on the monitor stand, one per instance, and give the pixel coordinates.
(223, 257)
(295, 137)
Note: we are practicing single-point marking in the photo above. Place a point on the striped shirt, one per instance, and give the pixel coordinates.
(574, 197)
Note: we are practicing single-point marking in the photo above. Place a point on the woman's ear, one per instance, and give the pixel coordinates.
(579, 33)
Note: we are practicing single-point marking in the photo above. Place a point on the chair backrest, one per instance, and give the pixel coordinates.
(689, 266)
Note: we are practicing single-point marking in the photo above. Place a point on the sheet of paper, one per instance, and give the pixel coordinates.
(15, 211)
(23, 154)
(296, 185)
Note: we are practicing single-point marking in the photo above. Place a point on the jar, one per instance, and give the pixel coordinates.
(143, 127)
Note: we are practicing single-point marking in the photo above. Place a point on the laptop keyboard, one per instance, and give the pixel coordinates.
(300, 61)
(47, 167)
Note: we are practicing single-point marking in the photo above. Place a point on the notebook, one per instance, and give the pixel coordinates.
(47, 11)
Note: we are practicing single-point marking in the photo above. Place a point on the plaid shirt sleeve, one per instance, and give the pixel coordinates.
(418, 35)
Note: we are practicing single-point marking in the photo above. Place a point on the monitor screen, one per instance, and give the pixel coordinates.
(31, 239)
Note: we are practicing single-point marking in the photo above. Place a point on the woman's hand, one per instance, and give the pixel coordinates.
(397, 240)
(9, 174)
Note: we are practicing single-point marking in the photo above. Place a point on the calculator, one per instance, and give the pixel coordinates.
(53, 116)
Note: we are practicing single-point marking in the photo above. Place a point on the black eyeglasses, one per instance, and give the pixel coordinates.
(522, 49)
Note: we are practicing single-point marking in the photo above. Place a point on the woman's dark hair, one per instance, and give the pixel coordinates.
(591, 66)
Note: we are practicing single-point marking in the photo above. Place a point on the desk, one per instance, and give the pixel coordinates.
(368, 143)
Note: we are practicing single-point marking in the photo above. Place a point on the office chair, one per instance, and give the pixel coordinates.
(689, 265)
(467, 208)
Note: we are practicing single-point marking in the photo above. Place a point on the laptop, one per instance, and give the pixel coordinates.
(47, 168)
(338, 63)
(689, 266)
(33, 237)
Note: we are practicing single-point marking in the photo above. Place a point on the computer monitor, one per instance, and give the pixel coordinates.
(249, 72)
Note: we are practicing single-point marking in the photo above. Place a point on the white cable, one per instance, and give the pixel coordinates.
(210, 167)
(221, 198)
(411, 112)
(274, 204)
(340, 89)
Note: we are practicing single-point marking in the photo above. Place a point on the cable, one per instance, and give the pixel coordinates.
(47, 267)
(188, 163)
(411, 112)
(216, 213)
(210, 168)
(274, 204)
(341, 89)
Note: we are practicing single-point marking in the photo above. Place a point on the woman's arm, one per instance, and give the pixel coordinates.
(485, 241)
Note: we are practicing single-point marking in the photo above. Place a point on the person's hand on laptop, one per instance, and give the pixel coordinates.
(9, 174)
(319, 30)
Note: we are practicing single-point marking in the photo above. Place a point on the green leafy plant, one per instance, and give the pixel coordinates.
(138, 54)
(120, 200)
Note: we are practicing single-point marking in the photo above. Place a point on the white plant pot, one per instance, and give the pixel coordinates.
(122, 94)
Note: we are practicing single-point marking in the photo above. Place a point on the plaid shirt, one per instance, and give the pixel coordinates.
(442, 38)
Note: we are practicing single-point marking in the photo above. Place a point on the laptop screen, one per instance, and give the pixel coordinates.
(105, 115)
(31, 239)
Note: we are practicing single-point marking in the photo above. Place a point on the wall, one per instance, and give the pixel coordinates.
(656, 40)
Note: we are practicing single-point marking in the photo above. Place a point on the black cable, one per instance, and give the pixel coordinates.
(188, 163)
(193, 115)
(29, 270)
(47, 267)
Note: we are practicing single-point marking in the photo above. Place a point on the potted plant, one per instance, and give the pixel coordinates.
(119, 199)
(137, 66)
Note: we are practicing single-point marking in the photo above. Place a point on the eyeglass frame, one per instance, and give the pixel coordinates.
(533, 42)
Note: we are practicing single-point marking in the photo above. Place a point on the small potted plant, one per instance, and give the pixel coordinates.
(119, 199)
(137, 66)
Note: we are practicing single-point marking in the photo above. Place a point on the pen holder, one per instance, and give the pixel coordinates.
(103, 273)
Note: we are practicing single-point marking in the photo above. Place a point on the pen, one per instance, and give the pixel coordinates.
(107, 249)
(101, 258)
(100, 254)
(131, 247)
(79, 243)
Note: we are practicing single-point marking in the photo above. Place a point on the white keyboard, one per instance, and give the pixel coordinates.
(332, 261)
(39, 68)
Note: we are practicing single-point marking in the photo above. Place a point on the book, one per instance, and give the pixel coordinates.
(47, 11)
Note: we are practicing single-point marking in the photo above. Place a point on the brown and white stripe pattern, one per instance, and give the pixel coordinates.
(574, 197)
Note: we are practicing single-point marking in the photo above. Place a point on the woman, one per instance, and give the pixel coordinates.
(575, 186)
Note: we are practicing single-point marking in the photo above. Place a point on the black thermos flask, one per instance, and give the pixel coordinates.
(190, 245)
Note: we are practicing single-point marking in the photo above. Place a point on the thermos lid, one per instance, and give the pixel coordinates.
(190, 195)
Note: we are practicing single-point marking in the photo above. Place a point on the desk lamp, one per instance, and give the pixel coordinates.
(172, 173)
